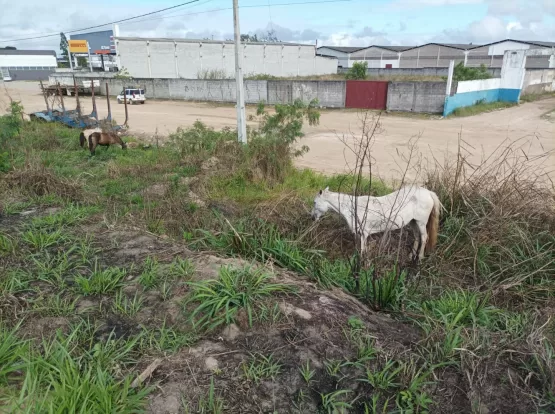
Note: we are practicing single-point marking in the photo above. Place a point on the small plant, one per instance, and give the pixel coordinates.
(12, 352)
(306, 372)
(127, 306)
(261, 367)
(384, 379)
(220, 300)
(149, 276)
(208, 404)
(358, 71)
(166, 339)
(40, 240)
(181, 268)
(464, 73)
(332, 402)
(382, 292)
(7, 244)
(55, 306)
(461, 305)
(101, 281)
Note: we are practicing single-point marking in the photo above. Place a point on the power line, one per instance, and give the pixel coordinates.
(242, 7)
(101, 25)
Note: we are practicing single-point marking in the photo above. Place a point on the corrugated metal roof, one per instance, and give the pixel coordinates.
(27, 52)
(227, 42)
(344, 49)
(395, 48)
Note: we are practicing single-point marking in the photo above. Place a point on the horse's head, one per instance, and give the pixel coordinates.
(320, 205)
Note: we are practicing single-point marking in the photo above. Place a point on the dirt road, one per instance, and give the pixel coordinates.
(482, 133)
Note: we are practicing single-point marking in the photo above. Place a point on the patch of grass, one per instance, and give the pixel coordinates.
(383, 379)
(58, 381)
(12, 353)
(55, 305)
(101, 281)
(150, 276)
(40, 239)
(126, 306)
(260, 367)
(220, 300)
(333, 402)
(461, 306)
(481, 107)
(532, 97)
(181, 268)
(69, 216)
(210, 403)
(166, 339)
(7, 245)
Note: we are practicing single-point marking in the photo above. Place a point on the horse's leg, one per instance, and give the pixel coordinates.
(423, 238)
(416, 234)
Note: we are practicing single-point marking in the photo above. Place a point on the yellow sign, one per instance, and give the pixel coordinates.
(78, 46)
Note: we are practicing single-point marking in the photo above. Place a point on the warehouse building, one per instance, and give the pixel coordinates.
(27, 64)
(438, 55)
(193, 59)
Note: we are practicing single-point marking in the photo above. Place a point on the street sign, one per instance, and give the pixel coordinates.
(78, 46)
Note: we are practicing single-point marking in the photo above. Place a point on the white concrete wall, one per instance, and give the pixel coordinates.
(478, 85)
(28, 60)
(513, 69)
(180, 58)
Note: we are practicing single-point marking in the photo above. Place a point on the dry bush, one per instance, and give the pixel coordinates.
(37, 180)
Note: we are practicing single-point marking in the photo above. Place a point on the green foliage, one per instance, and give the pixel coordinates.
(64, 45)
(261, 367)
(101, 281)
(358, 71)
(219, 300)
(382, 292)
(464, 73)
(200, 139)
(272, 147)
(81, 61)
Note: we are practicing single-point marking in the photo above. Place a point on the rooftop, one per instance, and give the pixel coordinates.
(27, 52)
(460, 46)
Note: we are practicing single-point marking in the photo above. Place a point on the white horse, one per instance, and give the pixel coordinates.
(367, 215)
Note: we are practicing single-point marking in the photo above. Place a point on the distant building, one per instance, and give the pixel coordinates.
(27, 64)
(210, 59)
(436, 55)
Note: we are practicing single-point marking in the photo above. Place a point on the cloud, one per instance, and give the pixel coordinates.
(418, 4)
(285, 34)
(491, 29)
(368, 32)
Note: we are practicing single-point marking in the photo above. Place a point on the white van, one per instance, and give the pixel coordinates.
(133, 96)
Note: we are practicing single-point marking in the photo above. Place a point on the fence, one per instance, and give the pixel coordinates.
(423, 97)
(538, 81)
(506, 89)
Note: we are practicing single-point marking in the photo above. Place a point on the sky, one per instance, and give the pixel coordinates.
(333, 22)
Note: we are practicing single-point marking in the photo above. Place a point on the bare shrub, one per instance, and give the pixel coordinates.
(37, 180)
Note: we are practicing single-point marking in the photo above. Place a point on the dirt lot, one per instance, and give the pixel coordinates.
(482, 134)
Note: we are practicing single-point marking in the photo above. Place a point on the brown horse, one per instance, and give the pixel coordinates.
(104, 139)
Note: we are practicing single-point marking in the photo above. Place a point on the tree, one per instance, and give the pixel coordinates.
(9, 48)
(64, 45)
(358, 71)
(269, 37)
(463, 73)
(81, 61)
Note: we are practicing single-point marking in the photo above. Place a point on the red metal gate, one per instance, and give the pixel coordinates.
(366, 94)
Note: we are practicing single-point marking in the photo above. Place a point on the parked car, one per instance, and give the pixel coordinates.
(133, 96)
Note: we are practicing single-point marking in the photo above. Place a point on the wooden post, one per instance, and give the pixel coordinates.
(108, 102)
(94, 113)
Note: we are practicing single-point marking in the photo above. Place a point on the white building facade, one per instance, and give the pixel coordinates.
(27, 64)
(194, 59)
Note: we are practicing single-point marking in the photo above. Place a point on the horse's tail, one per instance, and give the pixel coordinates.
(432, 227)
(82, 139)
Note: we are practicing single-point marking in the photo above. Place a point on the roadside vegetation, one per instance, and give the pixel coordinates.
(532, 97)
(191, 278)
(481, 107)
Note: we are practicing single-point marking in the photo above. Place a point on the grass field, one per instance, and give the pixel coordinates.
(190, 278)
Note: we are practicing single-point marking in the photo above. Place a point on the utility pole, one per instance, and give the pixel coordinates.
(241, 119)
